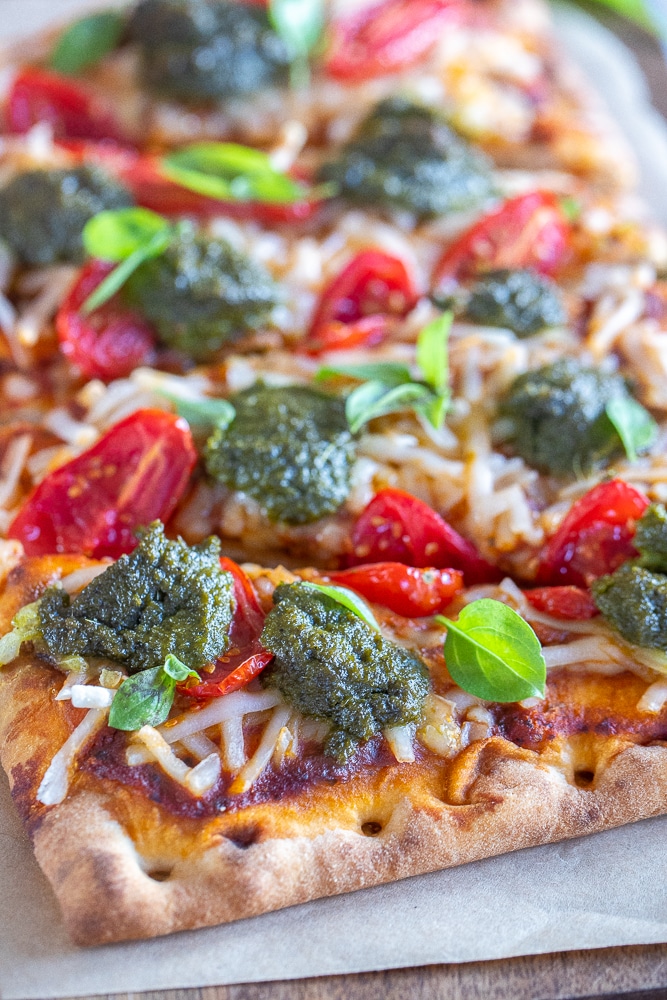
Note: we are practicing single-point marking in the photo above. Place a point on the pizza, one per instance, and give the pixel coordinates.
(333, 546)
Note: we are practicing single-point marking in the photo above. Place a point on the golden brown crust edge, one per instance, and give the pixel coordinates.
(510, 801)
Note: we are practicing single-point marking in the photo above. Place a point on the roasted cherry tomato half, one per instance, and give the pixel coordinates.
(595, 537)
(38, 95)
(407, 590)
(386, 37)
(356, 309)
(398, 527)
(249, 617)
(569, 603)
(233, 681)
(136, 473)
(108, 343)
(528, 231)
(151, 189)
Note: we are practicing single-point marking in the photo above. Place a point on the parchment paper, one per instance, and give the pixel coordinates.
(589, 893)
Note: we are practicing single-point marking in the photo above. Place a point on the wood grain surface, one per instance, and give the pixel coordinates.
(637, 973)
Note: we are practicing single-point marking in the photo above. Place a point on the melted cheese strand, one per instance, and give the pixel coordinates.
(54, 784)
(199, 746)
(91, 696)
(204, 776)
(76, 677)
(654, 698)
(262, 755)
(400, 740)
(232, 744)
(163, 753)
(239, 703)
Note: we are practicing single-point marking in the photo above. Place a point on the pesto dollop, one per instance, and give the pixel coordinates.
(204, 50)
(634, 598)
(43, 212)
(405, 156)
(331, 665)
(556, 417)
(164, 597)
(521, 301)
(289, 448)
(201, 293)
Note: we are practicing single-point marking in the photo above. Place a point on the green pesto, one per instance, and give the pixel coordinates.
(289, 448)
(164, 597)
(331, 665)
(204, 50)
(43, 212)
(201, 293)
(556, 417)
(651, 538)
(405, 156)
(634, 601)
(521, 301)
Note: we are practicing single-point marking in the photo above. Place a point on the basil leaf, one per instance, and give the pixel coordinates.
(432, 356)
(389, 372)
(116, 233)
(348, 599)
(145, 699)
(634, 425)
(492, 653)
(374, 399)
(87, 41)
(204, 412)
(231, 172)
(435, 410)
(115, 280)
(299, 23)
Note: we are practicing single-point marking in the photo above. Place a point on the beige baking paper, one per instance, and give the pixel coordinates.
(589, 893)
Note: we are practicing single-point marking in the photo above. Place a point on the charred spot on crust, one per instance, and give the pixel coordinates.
(371, 828)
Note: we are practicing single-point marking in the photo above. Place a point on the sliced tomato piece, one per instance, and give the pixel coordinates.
(407, 590)
(568, 603)
(233, 681)
(357, 307)
(528, 231)
(108, 343)
(136, 473)
(151, 189)
(38, 95)
(248, 614)
(595, 537)
(387, 37)
(398, 527)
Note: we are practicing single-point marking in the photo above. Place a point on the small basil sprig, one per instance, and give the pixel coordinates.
(299, 24)
(632, 424)
(145, 699)
(494, 654)
(391, 387)
(202, 412)
(349, 600)
(231, 172)
(129, 236)
(87, 41)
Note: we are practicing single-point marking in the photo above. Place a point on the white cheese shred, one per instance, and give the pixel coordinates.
(264, 752)
(91, 696)
(239, 703)
(654, 698)
(400, 740)
(55, 782)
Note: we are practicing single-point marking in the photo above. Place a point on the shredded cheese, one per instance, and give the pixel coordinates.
(654, 698)
(400, 740)
(239, 703)
(54, 784)
(91, 696)
(264, 752)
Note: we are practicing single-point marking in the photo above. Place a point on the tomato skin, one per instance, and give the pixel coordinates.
(136, 473)
(356, 308)
(398, 527)
(528, 231)
(110, 342)
(249, 617)
(569, 603)
(406, 590)
(234, 681)
(595, 537)
(39, 95)
(386, 37)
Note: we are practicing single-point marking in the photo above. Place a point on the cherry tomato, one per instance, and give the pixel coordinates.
(151, 189)
(357, 307)
(38, 95)
(108, 343)
(248, 614)
(233, 681)
(595, 537)
(386, 37)
(407, 590)
(568, 603)
(399, 527)
(528, 231)
(136, 473)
